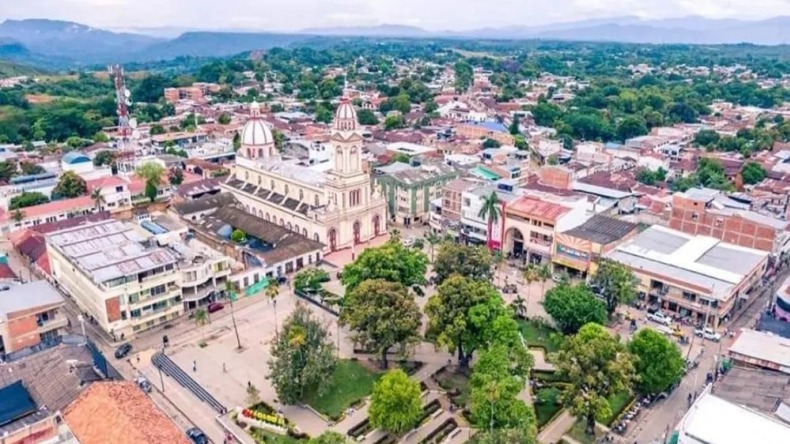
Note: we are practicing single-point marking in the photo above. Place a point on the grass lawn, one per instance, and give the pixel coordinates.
(546, 404)
(577, 432)
(617, 403)
(265, 437)
(349, 383)
(452, 381)
(540, 336)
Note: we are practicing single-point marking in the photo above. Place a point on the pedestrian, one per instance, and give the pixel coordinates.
(223, 368)
(689, 399)
(194, 366)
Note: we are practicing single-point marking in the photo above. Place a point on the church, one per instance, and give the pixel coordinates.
(333, 202)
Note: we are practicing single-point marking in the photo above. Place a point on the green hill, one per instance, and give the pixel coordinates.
(10, 69)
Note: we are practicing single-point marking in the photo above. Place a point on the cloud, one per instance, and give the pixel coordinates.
(431, 14)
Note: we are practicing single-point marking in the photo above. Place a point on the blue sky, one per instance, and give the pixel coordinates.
(283, 15)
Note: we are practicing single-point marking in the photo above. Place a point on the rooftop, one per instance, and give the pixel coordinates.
(700, 261)
(602, 230)
(538, 208)
(109, 250)
(27, 296)
(762, 346)
(759, 389)
(128, 416)
(205, 203)
(409, 175)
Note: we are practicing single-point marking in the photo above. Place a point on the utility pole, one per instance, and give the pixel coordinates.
(233, 319)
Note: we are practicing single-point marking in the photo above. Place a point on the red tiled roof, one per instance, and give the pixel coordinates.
(103, 182)
(6, 272)
(120, 413)
(537, 208)
(57, 207)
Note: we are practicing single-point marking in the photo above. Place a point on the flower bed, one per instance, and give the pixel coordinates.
(360, 429)
(432, 407)
(441, 432)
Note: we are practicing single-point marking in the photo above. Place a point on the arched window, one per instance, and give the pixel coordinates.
(296, 228)
(304, 232)
(316, 238)
(282, 222)
(267, 217)
(289, 226)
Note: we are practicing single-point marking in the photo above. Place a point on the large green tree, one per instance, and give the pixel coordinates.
(474, 262)
(466, 314)
(391, 262)
(615, 283)
(597, 366)
(572, 306)
(752, 173)
(27, 199)
(69, 185)
(382, 315)
(491, 212)
(395, 404)
(659, 361)
(302, 357)
(152, 173)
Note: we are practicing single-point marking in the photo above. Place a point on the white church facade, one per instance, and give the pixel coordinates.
(332, 202)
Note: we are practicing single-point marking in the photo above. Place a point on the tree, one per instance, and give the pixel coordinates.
(152, 174)
(156, 130)
(272, 291)
(105, 157)
(464, 315)
(238, 236)
(30, 168)
(176, 177)
(391, 262)
(571, 307)
(466, 260)
(630, 127)
(302, 357)
(224, 119)
(597, 367)
(98, 199)
(495, 386)
(367, 117)
(329, 437)
(491, 143)
(8, 169)
(659, 361)
(530, 275)
(394, 121)
(514, 126)
(69, 185)
(491, 211)
(201, 317)
(615, 283)
(502, 436)
(236, 141)
(752, 173)
(706, 137)
(27, 199)
(395, 404)
(433, 240)
(464, 75)
(18, 216)
(382, 315)
(545, 114)
(310, 279)
(544, 275)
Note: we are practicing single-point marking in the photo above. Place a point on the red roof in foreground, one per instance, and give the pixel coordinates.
(537, 208)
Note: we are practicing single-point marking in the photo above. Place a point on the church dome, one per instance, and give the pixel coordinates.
(345, 117)
(256, 132)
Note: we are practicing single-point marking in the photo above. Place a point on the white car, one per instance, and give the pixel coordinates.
(708, 334)
(659, 318)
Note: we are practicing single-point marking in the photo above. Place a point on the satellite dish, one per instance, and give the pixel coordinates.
(127, 93)
(133, 123)
(128, 102)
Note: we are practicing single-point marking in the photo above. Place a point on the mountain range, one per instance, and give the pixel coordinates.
(59, 44)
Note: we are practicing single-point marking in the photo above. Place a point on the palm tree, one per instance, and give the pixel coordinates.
(544, 275)
(433, 240)
(201, 317)
(231, 291)
(395, 235)
(272, 291)
(18, 215)
(98, 198)
(491, 211)
(519, 306)
(530, 276)
(496, 260)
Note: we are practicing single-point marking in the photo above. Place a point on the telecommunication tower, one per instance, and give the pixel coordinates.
(126, 125)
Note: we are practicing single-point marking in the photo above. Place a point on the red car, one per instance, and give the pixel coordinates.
(215, 306)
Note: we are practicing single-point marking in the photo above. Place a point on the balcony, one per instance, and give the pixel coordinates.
(52, 323)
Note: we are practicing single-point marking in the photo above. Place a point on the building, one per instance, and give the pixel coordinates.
(698, 277)
(714, 420)
(762, 350)
(116, 275)
(485, 130)
(700, 212)
(30, 314)
(446, 213)
(409, 189)
(49, 212)
(531, 222)
(120, 413)
(77, 162)
(578, 250)
(474, 228)
(334, 203)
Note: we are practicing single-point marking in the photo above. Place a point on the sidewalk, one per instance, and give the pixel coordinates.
(556, 429)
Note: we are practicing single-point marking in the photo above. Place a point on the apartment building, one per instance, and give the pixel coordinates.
(116, 275)
(409, 189)
(475, 229)
(693, 276)
(30, 314)
(700, 211)
(49, 212)
(532, 221)
(446, 211)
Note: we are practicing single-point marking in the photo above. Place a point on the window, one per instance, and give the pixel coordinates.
(259, 180)
(271, 184)
(316, 200)
(694, 216)
(119, 189)
(246, 176)
(135, 313)
(159, 289)
(301, 194)
(286, 190)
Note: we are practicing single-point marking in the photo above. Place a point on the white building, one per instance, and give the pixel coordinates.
(337, 206)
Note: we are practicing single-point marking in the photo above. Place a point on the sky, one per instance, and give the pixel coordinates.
(287, 15)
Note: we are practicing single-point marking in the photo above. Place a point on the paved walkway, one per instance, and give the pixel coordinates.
(556, 429)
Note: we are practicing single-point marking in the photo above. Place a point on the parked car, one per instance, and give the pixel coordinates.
(123, 350)
(144, 384)
(215, 306)
(282, 280)
(197, 436)
(659, 318)
(708, 333)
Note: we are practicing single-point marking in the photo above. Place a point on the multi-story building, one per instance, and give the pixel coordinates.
(409, 190)
(697, 277)
(577, 250)
(474, 228)
(699, 212)
(29, 315)
(46, 213)
(446, 212)
(532, 221)
(115, 274)
(485, 130)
